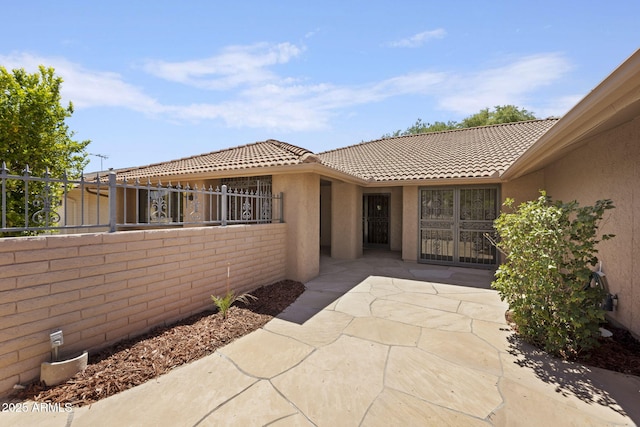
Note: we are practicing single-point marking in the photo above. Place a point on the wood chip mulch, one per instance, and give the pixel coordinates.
(620, 353)
(132, 362)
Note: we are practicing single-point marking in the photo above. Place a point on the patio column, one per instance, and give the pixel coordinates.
(346, 221)
(410, 223)
(302, 216)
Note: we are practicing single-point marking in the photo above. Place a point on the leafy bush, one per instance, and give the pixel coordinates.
(550, 249)
(225, 302)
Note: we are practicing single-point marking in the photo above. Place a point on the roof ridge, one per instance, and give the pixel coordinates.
(294, 149)
(439, 133)
(298, 151)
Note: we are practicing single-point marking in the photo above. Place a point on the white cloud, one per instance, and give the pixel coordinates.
(249, 93)
(419, 39)
(235, 66)
(305, 107)
(87, 88)
(509, 84)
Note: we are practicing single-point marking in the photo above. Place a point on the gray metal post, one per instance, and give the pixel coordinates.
(112, 202)
(4, 173)
(224, 205)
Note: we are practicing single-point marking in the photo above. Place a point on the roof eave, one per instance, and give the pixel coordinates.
(473, 180)
(614, 100)
(257, 170)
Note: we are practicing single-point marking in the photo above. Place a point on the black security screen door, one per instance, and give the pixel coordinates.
(375, 211)
(453, 223)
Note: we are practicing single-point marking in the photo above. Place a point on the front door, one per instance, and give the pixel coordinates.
(453, 224)
(375, 212)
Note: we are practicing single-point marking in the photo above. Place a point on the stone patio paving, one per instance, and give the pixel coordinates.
(371, 342)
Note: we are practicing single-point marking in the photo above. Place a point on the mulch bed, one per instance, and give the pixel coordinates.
(132, 362)
(620, 353)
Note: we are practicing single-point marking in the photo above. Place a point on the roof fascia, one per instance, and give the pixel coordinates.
(433, 182)
(616, 95)
(262, 170)
(325, 171)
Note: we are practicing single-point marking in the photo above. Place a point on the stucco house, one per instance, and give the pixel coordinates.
(432, 197)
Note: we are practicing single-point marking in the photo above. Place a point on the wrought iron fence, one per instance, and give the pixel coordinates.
(31, 205)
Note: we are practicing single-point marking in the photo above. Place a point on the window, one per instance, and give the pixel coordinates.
(160, 206)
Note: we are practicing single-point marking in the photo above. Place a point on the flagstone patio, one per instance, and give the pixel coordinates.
(371, 342)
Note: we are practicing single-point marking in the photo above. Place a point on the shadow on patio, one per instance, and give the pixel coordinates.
(337, 277)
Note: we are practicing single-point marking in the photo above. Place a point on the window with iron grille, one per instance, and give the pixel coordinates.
(258, 184)
(249, 199)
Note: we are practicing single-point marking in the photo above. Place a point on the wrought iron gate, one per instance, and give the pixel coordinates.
(375, 212)
(453, 222)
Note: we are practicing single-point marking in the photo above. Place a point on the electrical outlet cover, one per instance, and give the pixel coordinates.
(56, 339)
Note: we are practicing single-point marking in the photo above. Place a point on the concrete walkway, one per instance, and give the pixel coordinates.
(373, 342)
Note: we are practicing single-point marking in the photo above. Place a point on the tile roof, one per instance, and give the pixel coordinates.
(463, 153)
(259, 154)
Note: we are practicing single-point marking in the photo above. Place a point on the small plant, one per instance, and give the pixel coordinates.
(225, 302)
(550, 249)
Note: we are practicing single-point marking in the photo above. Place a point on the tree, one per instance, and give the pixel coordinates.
(421, 127)
(501, 114)
(485, 117)
(33, 133)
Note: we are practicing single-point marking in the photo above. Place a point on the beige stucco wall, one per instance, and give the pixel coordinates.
(606, 167)
(302, 215)
(104, 287)
(396, 219)
(346, 220)
(523, 189)
(410, 223)
(94, 210)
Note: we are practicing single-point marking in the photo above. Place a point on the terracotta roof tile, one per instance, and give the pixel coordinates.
(259, 154)
(464, 153)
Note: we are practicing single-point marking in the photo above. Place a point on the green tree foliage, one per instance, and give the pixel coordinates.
(33, 132)
(421, 127)
(485, 117)
(551, 249)
(500, 114)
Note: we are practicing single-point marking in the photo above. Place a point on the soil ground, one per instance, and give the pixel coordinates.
(133, 362)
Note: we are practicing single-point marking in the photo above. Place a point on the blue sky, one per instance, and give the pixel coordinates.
(159, 80)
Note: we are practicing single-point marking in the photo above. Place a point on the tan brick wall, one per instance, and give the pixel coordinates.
(101, 288)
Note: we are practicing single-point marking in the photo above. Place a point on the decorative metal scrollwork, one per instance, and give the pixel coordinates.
(45, 203)
(265, 209)
(193, 205)
(159, 207)
(476, 225)
(247, 209)
(441, 225)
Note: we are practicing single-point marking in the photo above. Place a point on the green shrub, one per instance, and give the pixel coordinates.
(550, 250)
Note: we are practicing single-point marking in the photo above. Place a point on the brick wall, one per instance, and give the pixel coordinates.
(101, 288)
